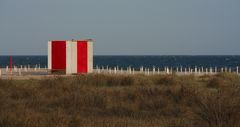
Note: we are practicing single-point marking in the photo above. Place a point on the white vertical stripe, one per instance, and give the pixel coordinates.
(49, 55)
(74, 57)
(69, 57)
(90, 56)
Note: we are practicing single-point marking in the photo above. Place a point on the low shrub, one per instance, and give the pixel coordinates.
(99, 100)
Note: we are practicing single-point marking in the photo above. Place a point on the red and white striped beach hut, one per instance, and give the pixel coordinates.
(70, 57)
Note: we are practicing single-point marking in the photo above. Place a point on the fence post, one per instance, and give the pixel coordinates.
(226, 69)
(167, 70)
(196, 70)
(154, 70)
(25, 68)
(35, 69)
(141, 69)
(211, 70)
(19, 72)
(15, 68)
(6, 68)
(237, 69)
(115, 70)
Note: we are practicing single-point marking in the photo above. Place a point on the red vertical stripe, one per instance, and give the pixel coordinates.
(59, 55)
(82, 56)
(11, 64)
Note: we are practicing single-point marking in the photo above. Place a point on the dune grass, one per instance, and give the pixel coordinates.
(98, 100)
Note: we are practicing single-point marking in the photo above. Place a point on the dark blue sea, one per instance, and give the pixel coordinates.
(138, 61)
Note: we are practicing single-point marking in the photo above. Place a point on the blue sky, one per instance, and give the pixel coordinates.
(122, 27)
